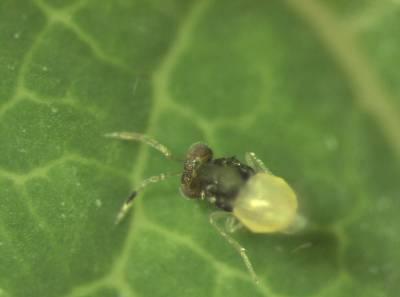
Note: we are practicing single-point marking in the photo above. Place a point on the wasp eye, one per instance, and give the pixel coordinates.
(199, 152)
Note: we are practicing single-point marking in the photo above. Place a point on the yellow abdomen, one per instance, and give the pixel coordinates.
(266, 204)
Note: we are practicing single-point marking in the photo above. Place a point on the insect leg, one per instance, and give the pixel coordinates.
(236, 245)
(256, 163)
(142, 138)
(128, 202)
(232, 224)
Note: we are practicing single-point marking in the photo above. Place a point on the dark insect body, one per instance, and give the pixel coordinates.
(218, 180)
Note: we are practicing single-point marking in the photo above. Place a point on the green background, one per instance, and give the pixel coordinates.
(311, 86)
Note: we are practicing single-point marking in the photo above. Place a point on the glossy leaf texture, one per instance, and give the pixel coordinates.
(310, 86)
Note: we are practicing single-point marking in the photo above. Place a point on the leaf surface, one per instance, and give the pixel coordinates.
(310, 86)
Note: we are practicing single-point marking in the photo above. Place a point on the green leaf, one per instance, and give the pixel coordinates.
(310, 86)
